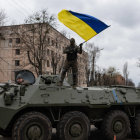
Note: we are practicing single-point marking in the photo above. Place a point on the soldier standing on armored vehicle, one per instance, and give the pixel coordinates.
(71, 61)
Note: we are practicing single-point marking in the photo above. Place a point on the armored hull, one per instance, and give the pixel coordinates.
(29, 111)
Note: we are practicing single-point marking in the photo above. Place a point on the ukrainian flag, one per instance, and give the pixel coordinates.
(84, 25)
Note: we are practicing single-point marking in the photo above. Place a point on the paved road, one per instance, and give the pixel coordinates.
(95, 134)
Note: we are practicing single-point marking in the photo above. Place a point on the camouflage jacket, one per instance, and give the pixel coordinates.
(72, 51)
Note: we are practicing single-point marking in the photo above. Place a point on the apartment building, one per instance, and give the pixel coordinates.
(14, 58)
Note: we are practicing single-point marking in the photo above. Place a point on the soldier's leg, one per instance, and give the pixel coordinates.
(75, 73)
(65, 69)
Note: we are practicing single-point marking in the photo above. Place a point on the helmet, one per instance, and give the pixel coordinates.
(19, 76)
(72, 41)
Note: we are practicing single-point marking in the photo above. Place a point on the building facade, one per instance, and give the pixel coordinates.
(14, 58)
(120, 80)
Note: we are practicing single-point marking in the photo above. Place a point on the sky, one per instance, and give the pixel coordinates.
(120, 42)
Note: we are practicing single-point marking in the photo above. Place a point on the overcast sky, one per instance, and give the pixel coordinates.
(121, 41)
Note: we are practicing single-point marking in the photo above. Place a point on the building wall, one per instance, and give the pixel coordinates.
(6, 59)
(120, 80)
(12, 58)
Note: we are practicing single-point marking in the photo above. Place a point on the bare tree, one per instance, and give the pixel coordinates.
(125, 72)
(87, 75)
(62, 61)
(93, 53)
(35, 39)
(2, 17)
(55, 61)
(138, 85)
(112, 73)
(107, 77)
(57, 58)
(130, 83)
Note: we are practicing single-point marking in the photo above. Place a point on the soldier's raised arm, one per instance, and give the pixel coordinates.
(80, 48)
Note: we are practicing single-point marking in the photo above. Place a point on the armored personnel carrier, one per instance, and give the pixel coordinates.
(29, 111)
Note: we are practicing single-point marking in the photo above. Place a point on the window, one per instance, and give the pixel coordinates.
(48, 63)
(17, 62)
(17, 40)
(52, 53)
(48, 40)
(52, 64)
(17, 51)
(10, 40)
(48, 52)
(52, 42)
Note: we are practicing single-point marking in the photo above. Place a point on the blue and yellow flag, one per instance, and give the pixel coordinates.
(84, 25)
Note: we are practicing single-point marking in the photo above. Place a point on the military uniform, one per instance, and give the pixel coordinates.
(20, 80)
(71, 62)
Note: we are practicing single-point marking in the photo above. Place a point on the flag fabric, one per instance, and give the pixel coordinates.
(84, 25)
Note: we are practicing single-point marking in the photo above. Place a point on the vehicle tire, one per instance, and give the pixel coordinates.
(32, 126)
(74, 126)
(137, 126)
(5, 133)
(116, 123)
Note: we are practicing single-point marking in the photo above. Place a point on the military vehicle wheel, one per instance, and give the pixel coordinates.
(137, 126)
(116, 123)
(32, 126)
(74, 126)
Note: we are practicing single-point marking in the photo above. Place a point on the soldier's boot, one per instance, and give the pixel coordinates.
(60, 83)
